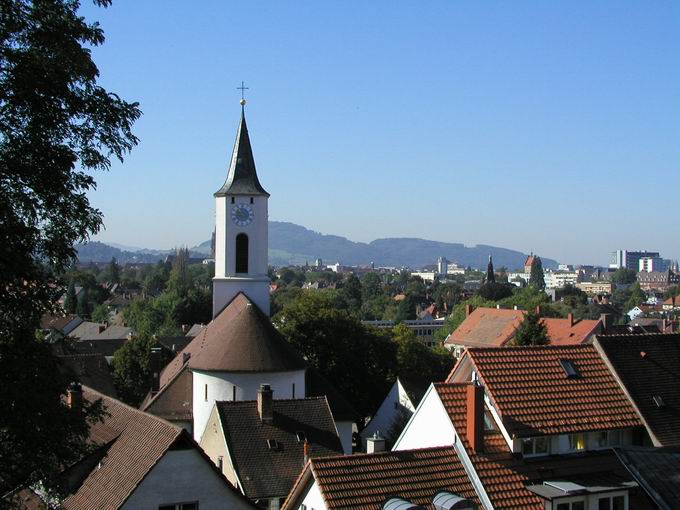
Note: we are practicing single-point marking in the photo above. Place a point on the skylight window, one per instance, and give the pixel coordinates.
(570, 369)
(273, 444)
(301, 436)
(659, 401)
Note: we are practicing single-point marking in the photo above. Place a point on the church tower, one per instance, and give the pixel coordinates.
(241, 230)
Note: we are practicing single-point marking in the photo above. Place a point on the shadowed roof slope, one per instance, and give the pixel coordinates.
(242, 339)
(535, 396)
(270, 472)
(657, 470)
(648, 366)
(365, 481)
(242, 177)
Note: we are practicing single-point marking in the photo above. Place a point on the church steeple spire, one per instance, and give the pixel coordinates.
(242, 176)
(490, 275)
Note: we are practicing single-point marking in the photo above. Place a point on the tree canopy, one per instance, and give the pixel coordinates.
(57, 128)
(531, 331)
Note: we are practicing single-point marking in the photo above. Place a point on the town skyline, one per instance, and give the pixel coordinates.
(384, 129)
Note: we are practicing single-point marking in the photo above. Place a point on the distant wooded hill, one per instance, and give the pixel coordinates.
(293, 244)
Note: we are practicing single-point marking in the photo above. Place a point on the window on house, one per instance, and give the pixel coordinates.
(577, 442)
(233, 200)
(612, 503)
(572, 505)
(193, 505)
(233, 393)
(608, 438)
(241, 253)
(251, 200)
(535, 446)
(220, 463)
(205, 393)
(274, 504)
(569, 368)
(293, 390)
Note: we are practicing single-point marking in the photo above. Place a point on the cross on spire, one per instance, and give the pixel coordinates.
(243, 89)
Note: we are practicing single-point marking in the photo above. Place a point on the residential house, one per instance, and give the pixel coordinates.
(495, 327)
(646, 366)
(141, 461)
(91, 370)
(671, 304)
(262, 445)
(59, 326)
(395, 410)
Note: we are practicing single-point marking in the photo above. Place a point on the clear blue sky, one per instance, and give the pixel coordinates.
(543, 126)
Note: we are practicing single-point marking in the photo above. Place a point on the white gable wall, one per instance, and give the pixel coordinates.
(429, 426)
(313, 500)
(183, 476)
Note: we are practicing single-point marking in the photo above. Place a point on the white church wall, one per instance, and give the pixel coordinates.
(220, 239)
(225, 289)
(220, 387)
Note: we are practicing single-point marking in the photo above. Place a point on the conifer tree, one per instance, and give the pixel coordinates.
(531, 331)
(536, 277)
(71, 301)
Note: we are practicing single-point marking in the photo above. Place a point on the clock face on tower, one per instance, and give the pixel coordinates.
(242, 214)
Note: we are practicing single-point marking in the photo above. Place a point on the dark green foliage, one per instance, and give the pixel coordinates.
(536, 277)
(132, 369)
(114, 271)
(71, 300)
(446, 295)
(636, 297)
(100, 313)
(350, 292)
(623, 275)
(357, 361)
(496, 291)
(57, 128)
(531, 331)
(416, 361)
(83, 306)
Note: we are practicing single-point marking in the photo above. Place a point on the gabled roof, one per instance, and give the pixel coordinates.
(505, 477)
(366, 481)
(648, 367)
(57, 322)
(657, 470)
(242, 176)
(113, 332)
(136, 441)
(495, 327)
(487, 327)
(535, 396)
(91, 370)
(242, 339)
(266, 472)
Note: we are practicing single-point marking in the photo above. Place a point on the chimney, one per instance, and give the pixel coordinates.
(514, 307)
(538, 310)
(265, 406)
(375, 444)
(74, 396)
(475, 417)
(606, 321)
(468, 310)
(305, 451)
(155, 362)
(571, 319)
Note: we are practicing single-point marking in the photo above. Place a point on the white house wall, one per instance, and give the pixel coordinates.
(221, 384)
(313, 500)
(183, 476)
(429, 426)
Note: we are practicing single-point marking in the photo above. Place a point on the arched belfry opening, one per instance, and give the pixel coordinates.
(241, 253)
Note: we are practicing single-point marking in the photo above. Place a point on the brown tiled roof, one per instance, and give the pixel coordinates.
(91, 370)
(57, 322)
(240, 339)
(266, 472)
(534, 396)
(365, 481)
(494, 327)
(137, 441)
(174, 403)
(487, 327)
(505, 477)
(648, 366)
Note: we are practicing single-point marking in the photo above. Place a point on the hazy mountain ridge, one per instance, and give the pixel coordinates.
(293, 244)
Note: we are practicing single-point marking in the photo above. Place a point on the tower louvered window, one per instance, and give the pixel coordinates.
(241, 253)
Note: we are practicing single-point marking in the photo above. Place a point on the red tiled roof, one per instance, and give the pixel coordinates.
(365, 481)
(495, 327)
(487, 327)
(534, 396)
(505, 477)
(563, 332)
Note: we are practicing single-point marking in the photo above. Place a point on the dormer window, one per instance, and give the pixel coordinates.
(659, 401)
(272, 444)
(577, 442)
(535, 446)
